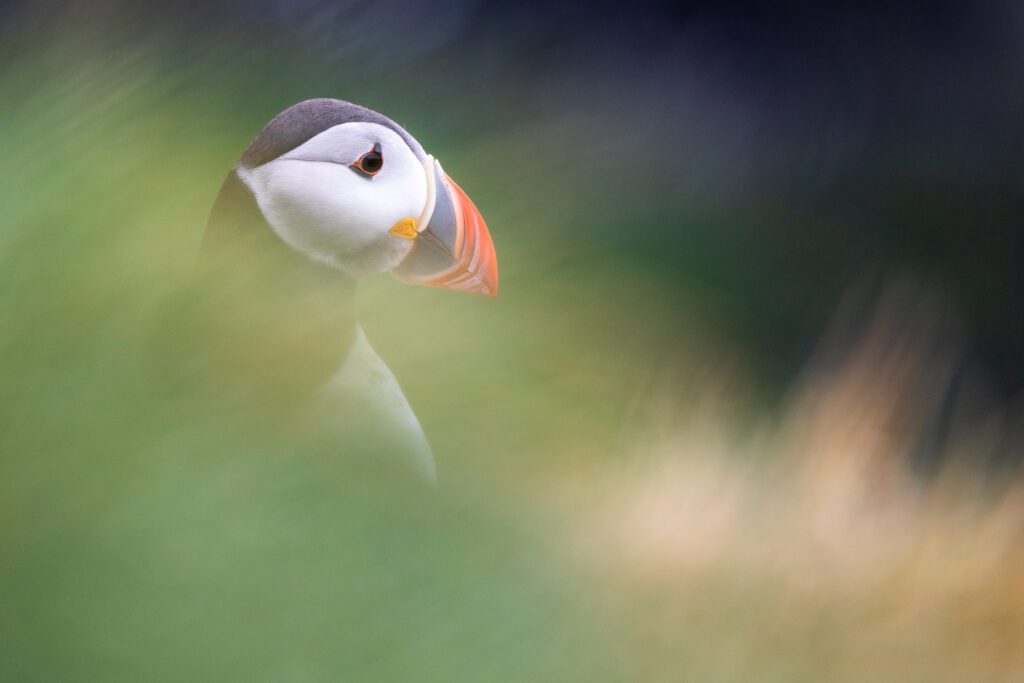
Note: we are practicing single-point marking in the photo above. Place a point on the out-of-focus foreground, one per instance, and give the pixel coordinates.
(631, 488)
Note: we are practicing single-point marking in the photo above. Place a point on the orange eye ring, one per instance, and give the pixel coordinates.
(370, 163)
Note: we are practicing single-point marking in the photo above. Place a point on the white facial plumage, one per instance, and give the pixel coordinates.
(320, 206)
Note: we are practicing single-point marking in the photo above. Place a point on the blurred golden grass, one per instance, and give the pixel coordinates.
(808, 548)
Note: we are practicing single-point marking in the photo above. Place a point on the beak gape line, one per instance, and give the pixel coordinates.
(452, 248)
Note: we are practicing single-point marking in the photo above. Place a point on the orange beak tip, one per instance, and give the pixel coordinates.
(477, 268)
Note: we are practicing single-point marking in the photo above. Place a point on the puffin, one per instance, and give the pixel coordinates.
(327, 194)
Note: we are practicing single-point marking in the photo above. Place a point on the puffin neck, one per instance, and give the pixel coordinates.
(279, 304)
(239, 241)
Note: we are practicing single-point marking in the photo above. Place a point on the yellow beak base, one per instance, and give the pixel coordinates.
(405, 228)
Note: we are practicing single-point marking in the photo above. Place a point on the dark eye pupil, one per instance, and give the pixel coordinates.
(371, 162)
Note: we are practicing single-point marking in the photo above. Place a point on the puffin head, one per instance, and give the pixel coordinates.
(350, 188)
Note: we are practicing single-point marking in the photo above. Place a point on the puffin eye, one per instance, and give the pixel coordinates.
(370, 163)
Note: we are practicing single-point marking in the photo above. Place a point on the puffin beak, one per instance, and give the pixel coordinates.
(451, 247)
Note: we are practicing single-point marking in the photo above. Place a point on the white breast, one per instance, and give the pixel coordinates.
(372, 408)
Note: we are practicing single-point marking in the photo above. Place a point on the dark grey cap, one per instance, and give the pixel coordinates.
(300, 122)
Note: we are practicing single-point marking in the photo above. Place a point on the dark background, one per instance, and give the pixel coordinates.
(768, 156)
